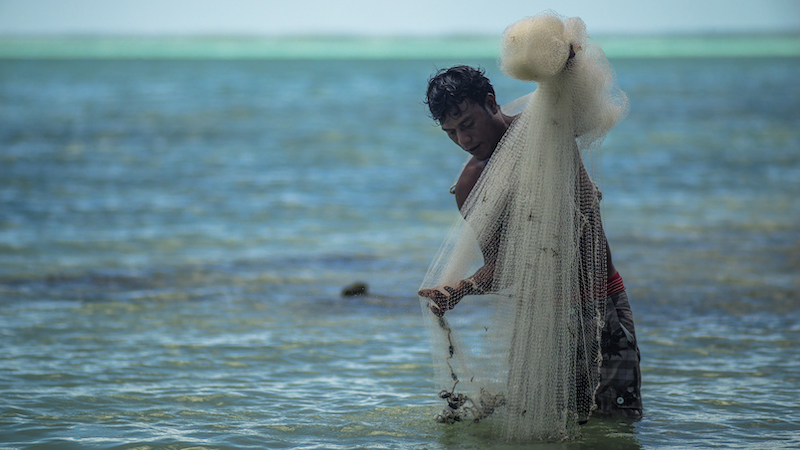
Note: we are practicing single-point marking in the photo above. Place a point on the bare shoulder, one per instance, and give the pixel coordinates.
(469, 176)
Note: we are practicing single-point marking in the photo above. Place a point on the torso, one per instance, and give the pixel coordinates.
(466, 181)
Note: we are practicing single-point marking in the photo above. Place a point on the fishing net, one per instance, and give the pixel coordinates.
(524, 356)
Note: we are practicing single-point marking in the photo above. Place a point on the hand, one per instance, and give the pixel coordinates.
(446, 298)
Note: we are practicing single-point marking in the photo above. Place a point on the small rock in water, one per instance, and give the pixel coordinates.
(355, 289)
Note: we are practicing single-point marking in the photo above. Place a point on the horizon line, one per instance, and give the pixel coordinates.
(344, 35)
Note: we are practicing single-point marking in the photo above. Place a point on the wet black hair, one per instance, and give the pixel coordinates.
(448, 88)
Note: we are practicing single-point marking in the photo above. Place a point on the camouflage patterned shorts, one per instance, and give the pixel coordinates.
(619, 393)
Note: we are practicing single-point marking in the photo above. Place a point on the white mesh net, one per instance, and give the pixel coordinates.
(525, 356)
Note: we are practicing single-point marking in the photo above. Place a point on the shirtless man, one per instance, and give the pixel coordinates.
(462, 100)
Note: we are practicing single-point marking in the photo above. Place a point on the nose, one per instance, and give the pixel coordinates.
(464, 139)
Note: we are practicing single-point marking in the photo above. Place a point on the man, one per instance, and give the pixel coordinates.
(462, 100)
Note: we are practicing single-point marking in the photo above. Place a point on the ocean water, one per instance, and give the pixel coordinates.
(388, 47)
(175, 236)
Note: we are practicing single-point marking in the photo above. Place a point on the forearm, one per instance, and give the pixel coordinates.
(482, 280)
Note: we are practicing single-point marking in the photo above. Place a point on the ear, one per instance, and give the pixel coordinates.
(491, 104)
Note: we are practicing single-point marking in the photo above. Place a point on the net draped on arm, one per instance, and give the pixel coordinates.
(525, 356)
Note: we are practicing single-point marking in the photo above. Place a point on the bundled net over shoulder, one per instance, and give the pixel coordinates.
(525, 356)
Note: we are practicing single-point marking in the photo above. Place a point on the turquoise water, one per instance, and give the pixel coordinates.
(337, 47)
(174, 236)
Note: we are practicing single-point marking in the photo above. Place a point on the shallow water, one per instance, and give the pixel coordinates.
(174, 236)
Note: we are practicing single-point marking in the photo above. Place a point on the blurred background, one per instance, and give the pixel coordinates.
(187, 186)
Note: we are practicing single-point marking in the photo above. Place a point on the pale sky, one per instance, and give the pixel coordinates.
(384, 18)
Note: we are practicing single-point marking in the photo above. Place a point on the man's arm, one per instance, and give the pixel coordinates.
(466, 181)
(446, 298)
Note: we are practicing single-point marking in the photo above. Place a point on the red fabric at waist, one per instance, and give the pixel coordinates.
(614, 284)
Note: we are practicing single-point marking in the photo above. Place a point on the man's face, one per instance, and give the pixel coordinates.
(476, 128)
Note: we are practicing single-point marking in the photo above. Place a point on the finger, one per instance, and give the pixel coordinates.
(435, 296)
(445, 291)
